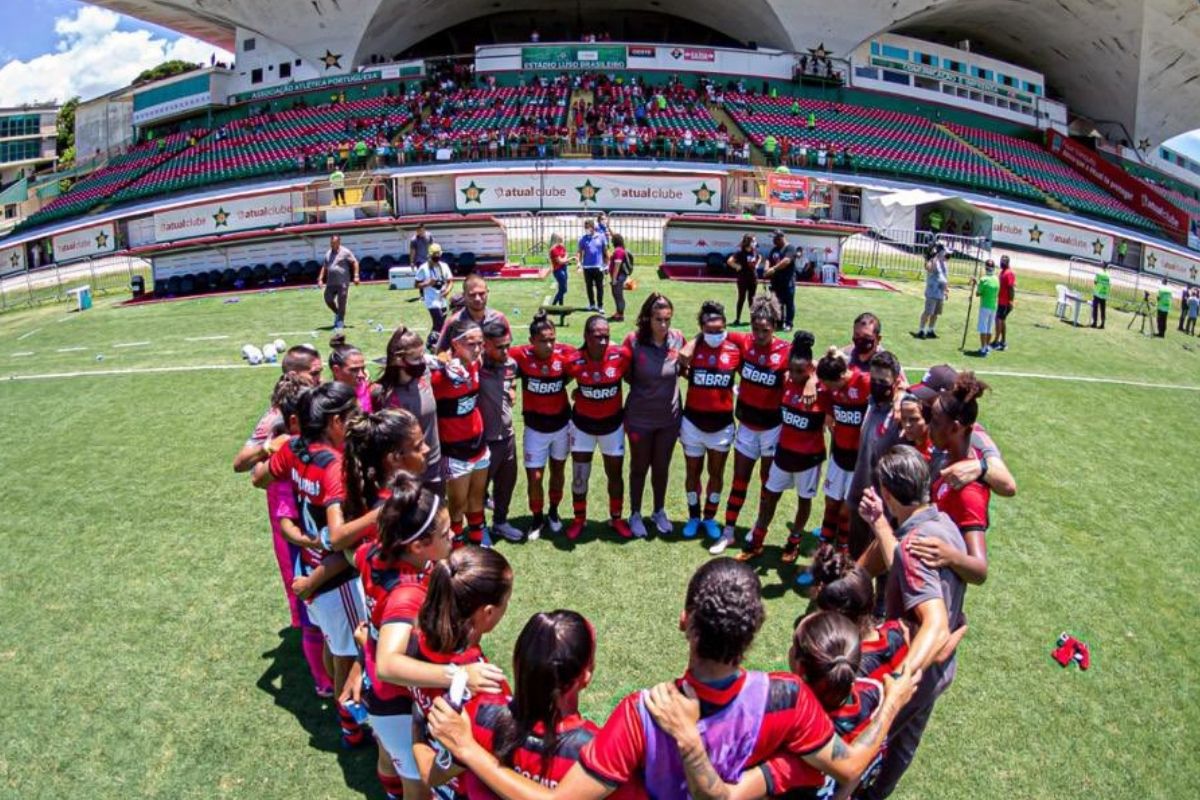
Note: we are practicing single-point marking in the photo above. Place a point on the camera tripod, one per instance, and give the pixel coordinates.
(1147, 315)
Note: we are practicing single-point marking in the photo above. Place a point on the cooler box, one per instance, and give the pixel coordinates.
(402, 278)
(83, 297)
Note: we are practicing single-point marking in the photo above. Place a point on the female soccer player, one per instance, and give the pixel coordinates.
(313, 463)
(414, 532)
(951, 425)
(764, 367)
(349, 366)
(798, 456)
(850, 394)
(711, 363)
(542, 366)
(846, 588)
(455, 383)
(914, 425)
(596, 418)
(652, 410)
(405, 383)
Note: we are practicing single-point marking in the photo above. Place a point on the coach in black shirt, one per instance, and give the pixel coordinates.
(781, 269)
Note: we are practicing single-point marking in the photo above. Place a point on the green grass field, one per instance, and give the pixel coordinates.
(145, 653)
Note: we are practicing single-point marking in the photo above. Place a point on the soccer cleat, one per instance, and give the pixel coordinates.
(1065, 651)
(791, 551)
(622, 528)
(711, 529)
(691, 527)
(931, 335)
(508, 532)
(575, 528)
(720, 545)
(919, 335)
(750, 553)
(535, 528)
(1082, 655)
(554, 521)
(662, 522)
(636, 526)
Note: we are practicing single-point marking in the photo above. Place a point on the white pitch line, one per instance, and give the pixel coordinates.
(70, 349)
(1074, 379)
(129, 371)
(22, 354)
(25, 336)
(206, 338)
(294, 333)
(130, 344)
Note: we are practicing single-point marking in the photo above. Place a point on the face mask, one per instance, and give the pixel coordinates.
(714, 339)
(881, 391)
(864, 345)
(414, 370)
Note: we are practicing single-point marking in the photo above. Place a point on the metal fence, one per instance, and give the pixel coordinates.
(52, 284)
(880, 252)
(1127, 287)
(529, 233)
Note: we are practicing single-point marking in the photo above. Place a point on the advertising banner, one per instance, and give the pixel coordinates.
(688, 239)
(84, 242)
(794, 191)
(1122, 185)
(705, 54)
(575, 191)
(226, 216)
(569, 56)
(1157, 261)
(1051, 237)
(332, 82)
(12, 259)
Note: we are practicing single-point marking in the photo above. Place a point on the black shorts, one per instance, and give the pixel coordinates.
(1002, 312)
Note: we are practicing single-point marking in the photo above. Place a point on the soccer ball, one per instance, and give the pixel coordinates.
(252, 354)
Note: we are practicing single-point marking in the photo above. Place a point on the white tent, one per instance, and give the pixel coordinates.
(907, 211)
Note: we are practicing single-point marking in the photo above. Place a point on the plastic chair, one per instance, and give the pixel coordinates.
(1060, 309)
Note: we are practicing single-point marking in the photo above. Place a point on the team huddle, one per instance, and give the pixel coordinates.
(378, 492)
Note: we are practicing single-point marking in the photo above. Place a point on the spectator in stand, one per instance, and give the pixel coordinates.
(534, 36)
(781, 269)
(337, 181)
(1008, 291)
(770, 148)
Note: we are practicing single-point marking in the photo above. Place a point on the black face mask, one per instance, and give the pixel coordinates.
(414, 370)
(864, 344)
(881, 391)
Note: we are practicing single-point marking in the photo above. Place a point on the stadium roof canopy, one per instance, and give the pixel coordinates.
(1131, 62)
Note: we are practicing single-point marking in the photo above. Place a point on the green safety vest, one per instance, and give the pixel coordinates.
(338, 179)
(1101, 283)
(360, 148)
(769, 144)
(935, 220)
(1164, 299)
(812, 120)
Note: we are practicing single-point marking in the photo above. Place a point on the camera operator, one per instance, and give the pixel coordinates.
(937, 288)
(435, 281)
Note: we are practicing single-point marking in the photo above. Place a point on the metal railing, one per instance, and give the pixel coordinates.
(902, 252)
(1127, 287)
(52, 284)
(528, 233)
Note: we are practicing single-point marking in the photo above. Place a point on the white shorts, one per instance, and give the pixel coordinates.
(805, 483)
(540, 446)
(337, 613)
(457, 468)
(696, 441)
(611, 444)
(987, 320)
(757, 444)
(837, 481)
(394, 732)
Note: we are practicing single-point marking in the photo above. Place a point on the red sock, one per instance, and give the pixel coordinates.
(351, 730)
(757, 537)
(829, 523)
(616, 506)
(456, 535)
(555, 498)
(711, 500)
(475, 527)
(536, 506)
(312, 642)
(579, 506)
(392, 784)
(737, 498)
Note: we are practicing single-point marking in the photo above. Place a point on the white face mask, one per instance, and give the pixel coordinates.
(714, 339)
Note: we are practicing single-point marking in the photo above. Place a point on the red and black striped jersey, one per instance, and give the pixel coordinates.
(968, 506)
(884, 655)
(597, 397)
(849, 410)
(315, 470)
(761, 386)
(460, 425)
(802, 436)
(424, 696)
(709, 403)
(394, 592)
(544, 405)
(531, 758)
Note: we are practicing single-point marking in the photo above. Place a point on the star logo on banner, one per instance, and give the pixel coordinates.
(221, 218)
(1144, 145)
(1035, 233)
(473, 193)
(101, 240)
(331, 60)
(1097, 247)
(588, 192)
(704, 194)
(1151, 260)
(1193, 272)
(819, 51)
(676, 54)
(14, 259)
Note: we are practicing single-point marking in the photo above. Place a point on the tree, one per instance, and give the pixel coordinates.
(65, 125)
(165, 70)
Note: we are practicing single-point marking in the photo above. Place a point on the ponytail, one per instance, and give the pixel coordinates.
(468, 580)
(828, 652)
(961, 402)
(851, 594)
(369, 439)
(321, 404)
(833, 365)
(802, 345)
(408, 515)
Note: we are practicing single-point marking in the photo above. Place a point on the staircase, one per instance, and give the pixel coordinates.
(587, 96)
(757, 158)
(1049, 200)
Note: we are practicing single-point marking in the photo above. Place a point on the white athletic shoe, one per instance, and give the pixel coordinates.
(637, 526)
(662, 522)
(554, 521)
(507, 532)
(721, 544)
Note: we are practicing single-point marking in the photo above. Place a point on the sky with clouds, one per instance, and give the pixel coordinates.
(63, 48)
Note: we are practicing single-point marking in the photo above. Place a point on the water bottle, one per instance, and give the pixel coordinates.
(456, 697)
